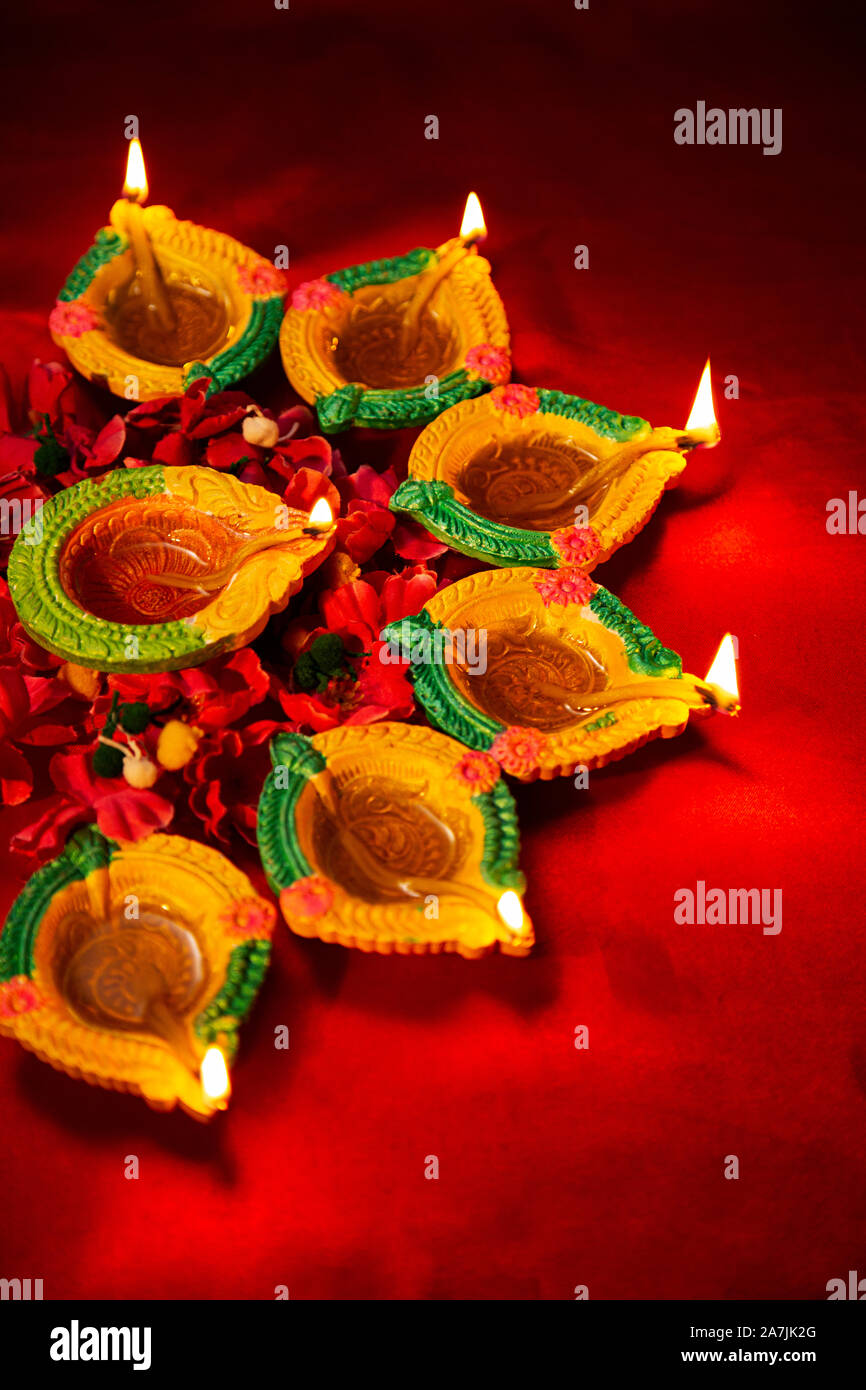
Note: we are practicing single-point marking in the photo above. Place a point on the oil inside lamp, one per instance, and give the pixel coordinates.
(536, 481)
(382, 844)
(161, 314)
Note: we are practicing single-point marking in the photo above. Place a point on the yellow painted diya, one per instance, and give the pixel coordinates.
(150, 569)
(393, 838)
(132, 966)
(526, 476)
(547, 672)
(395, 342)
(157, 302)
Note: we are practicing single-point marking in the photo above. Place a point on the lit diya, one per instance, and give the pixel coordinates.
(547, 672)
(395, 342)
(390, 837)
(132, 966)
(150, 569)
(156, 303)
(533, 477)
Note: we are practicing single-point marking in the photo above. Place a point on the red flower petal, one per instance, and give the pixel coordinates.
(16, 776)
(130, 815)
(174, 450)
(412, 542)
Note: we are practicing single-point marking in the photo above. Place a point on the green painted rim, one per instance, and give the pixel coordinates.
(434, 505)
(57, 623)
(392, 410)
(449, 710)
(284, 861)
(88, 849)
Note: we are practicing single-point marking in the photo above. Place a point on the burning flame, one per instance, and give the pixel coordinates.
(723, 671)
(135, 183)
(473, 227)
(703, 414)
(510, 909)
(321, 515)
(215, 1082)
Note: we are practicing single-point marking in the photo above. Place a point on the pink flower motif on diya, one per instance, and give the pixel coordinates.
(307, 897)
(515, 400)
(518, 750)
(316, 294)
(19, 996)
(261, 278)
(578, 545)
(477, 771)
(250, 918)
(565, 586)
(72, 319)
(489, 362)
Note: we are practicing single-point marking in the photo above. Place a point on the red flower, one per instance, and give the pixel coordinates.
(217, 694)
(19, 996)
(120, 811)
(362, 608)
(565, 586)
(261, 278)
(69, 319)
(384, 689)
(515, 400)
(249, 919)
(227, 778)
(307, 897)
(518, 750)
(477, 771)
(489, 362)
(316, 294)
(578, 545)
(364, 530)
(22, 700)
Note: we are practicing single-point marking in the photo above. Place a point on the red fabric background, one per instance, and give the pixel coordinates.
(558, 1167)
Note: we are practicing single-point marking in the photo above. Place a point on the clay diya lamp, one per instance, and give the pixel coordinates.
(132, 966)
(156, 302)
(533, 477)
(395, 342)
(393, 838)
(547, 672)
(150, 569)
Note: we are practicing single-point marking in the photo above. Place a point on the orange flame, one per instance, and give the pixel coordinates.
(703, 414)
(723, 671)
(473, 227)
(135, 183)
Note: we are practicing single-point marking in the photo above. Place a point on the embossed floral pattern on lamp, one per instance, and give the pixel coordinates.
(152, 569)
(393, 838)
(132, 966)
(156, 302)
(395, 342)
(533, 477)
(570, 677)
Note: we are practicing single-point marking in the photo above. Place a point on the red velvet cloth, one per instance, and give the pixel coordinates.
(558, 1167)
